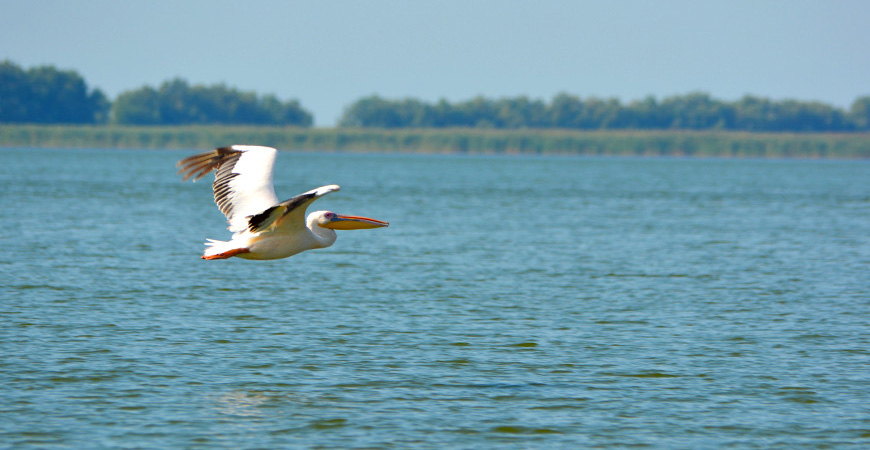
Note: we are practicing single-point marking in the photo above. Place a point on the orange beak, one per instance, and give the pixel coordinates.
(354, 223)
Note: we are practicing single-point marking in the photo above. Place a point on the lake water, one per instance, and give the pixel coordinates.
(513, 303)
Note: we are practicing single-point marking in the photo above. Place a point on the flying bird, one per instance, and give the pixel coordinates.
(263, 227)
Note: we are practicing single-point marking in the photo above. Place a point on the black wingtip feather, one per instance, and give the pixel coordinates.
(201, 164)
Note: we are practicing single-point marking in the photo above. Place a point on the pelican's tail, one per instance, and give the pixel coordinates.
(223, 250)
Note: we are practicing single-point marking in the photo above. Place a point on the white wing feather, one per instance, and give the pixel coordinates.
(243, 180)
(251, 190)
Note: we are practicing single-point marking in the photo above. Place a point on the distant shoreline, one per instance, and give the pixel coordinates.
(718, 144)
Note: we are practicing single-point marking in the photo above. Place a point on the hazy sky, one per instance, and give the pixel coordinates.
(328, 54)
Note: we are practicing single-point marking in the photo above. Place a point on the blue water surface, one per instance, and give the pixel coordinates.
(513, 303)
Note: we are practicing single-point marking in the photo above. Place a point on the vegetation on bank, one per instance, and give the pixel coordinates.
(176, 102)
(452, 140)
(46, 95)
(47, 107)
(694, 111)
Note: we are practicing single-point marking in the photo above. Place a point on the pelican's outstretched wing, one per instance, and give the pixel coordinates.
(242, 180)
(290, 214)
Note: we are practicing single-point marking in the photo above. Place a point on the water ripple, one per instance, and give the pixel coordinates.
(570, 303)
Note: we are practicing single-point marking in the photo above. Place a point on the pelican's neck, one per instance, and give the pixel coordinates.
(324, 237)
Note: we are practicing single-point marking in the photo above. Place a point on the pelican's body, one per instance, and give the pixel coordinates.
(264, 227)
(281, 245)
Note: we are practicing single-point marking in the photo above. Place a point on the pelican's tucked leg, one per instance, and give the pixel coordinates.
(228, 254)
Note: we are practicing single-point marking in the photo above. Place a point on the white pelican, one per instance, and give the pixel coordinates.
(264, 227)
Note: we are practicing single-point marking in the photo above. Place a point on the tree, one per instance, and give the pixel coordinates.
(565, 111)
(141, 107)
(697, 111)
(48, 95)
(598, 113)
(693, 111)
(754, 114)
(175, 102)
(859, 113)
(373, 111)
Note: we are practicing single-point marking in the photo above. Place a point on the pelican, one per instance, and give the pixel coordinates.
(263, 227)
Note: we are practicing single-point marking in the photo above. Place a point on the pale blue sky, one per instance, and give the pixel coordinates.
(329, 53)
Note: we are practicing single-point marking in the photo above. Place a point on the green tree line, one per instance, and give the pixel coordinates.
(694, 111)
(48, 95)
(176, 102)
(45, 94)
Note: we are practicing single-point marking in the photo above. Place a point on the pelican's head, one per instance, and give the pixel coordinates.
(331, 220)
